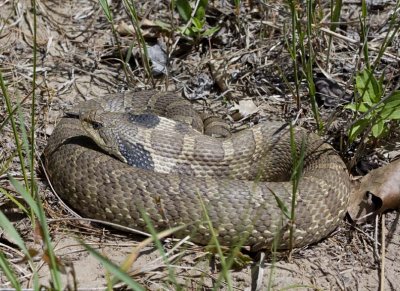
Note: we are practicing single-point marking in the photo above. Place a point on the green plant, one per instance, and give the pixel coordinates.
(25, 148)
(336, 8)
(302, 53)
(195, 19)
(377, 111)
(108, 14)
(374, 110)
(298, 154)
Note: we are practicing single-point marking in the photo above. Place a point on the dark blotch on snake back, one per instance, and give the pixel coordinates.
(182, 128)
(136, 155)
(146, 120)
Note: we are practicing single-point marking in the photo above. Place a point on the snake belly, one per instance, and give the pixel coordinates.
(232, 185)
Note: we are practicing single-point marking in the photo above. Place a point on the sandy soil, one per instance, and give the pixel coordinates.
(78, 59)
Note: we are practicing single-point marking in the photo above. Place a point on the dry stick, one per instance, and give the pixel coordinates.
(104, 222)
(382, 278)
(260, 277)
(351, 40)
(361, 231)
(356, 42)
(376, 249)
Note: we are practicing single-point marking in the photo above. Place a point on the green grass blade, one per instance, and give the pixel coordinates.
(106, 9)
(298, 155)
(10, 113)
(130, 5)
(38, 210)
(309, 64)
(25, 195)
(150, 227)
(214, 239)
(33, 105)
(335, 14)
(15, 201)
(281, 204)
(335, 18)
(6, 268)
(9, 228)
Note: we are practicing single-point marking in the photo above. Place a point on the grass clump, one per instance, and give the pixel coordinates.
(28, 189)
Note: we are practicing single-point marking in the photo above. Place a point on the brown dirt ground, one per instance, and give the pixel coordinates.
(78, 60)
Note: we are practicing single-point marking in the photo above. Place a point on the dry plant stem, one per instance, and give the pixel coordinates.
(114, 225)
(131, 10)
(115, 34)
(294, 20)
(353, 41)
(260, 277)
(361, 231)
(14, 127)
(136, 250)
(376, 239)
(383, 253)
(32, 156)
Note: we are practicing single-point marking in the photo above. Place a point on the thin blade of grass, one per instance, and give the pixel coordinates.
(38, 210)
(282, 206)
(15, 201)
(25, 195)
(154, 236)
(310, 62)
(130, 5)
(135, 252)
(6, 164)
(6, 268)
(9, 228)
(335, 17)
(10, 113)
(297, 172)
(108, 13)
(106, 9)
(214, 240)
(33, 106)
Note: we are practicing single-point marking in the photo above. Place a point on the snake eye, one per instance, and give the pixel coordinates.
(96, 125)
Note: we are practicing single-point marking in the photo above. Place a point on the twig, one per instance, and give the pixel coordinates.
(363, 232)
(376, 249)
(353, 41)
(383, 247)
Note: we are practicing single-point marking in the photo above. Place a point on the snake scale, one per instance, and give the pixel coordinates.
(116, 162)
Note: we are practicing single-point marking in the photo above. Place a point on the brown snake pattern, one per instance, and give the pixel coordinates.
(180, 176)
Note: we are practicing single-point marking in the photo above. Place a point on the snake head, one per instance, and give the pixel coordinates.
(100, 128)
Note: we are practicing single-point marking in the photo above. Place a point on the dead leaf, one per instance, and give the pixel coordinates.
(377, 192)
(59, 264)
(158, 56)
(245, 108)
(218, 71)
(125, 29)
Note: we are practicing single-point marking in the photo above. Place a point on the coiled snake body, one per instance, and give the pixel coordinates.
(180, 176)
